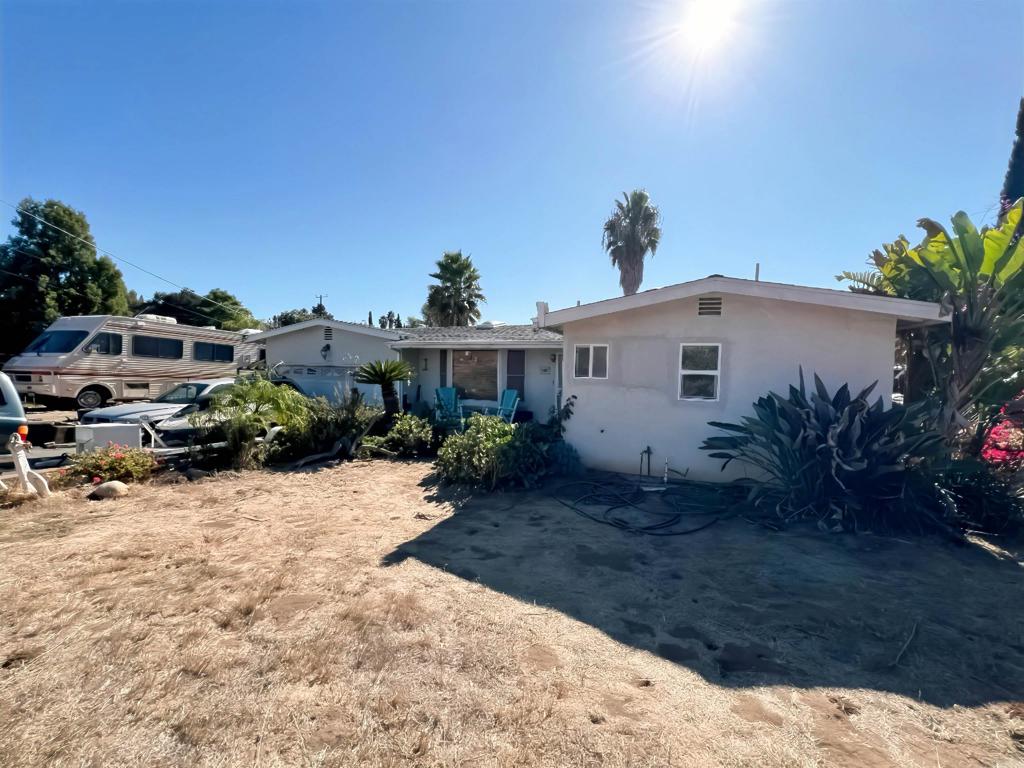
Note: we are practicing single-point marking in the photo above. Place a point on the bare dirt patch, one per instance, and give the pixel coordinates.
(357, 616)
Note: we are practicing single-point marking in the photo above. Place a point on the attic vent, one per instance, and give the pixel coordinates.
(328, 334)
(709, 305)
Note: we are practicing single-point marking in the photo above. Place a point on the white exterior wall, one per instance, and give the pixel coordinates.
(763, 342)
(348, 350)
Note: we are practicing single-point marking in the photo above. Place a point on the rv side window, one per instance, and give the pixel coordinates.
(105, 344)
(217, 353)
(154, 346)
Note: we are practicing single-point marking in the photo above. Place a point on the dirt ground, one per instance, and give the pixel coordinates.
(359, 616)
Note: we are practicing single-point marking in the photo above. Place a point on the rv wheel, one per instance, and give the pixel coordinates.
(92, 397)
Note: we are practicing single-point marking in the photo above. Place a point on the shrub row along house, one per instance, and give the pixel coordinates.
(649, 370)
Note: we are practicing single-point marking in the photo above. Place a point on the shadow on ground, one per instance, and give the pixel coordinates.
(743, 606)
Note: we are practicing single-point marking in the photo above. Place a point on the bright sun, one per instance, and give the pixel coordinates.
(708, 23)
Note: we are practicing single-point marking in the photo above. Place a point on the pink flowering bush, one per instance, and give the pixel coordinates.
(115, 462)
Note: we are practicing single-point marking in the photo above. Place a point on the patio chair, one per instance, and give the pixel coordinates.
(507, 406)
(447, 408)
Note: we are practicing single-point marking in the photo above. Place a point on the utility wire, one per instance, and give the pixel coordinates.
(182, 288)
(78, 293)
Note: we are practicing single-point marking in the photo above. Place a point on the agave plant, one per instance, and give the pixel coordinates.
(386, 373)
(848, 463)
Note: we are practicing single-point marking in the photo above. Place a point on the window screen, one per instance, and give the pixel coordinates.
(475, 373)
(515, 372)
(444, 367)
(591, 361)
(155, 346)
(699, 371)
(217, 353)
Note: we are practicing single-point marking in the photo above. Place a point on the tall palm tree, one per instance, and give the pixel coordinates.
(456, 298)
(630, 233)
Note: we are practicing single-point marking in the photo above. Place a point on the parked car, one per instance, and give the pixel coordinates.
(12, 414)
(183, 397)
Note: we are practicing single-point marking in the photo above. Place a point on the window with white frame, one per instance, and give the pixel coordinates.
(591, 361)
(700, 367)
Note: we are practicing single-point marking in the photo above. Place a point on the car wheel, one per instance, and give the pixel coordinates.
(92, 397)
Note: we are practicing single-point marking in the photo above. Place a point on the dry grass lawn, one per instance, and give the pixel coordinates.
(355, 616)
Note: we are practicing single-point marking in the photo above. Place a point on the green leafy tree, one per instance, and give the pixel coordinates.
(456, 297)
(46, 273)
(385, 374)
(1013, 183)
(301, 315)
(631, 232)
(978, 277)
(217, 307)
(411, 321)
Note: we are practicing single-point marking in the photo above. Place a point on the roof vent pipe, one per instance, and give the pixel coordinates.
(757, 271)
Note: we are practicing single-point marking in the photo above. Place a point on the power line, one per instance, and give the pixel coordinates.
(78, 293)
(182, 288)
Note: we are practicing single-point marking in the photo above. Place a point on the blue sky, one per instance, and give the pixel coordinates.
(285, 149)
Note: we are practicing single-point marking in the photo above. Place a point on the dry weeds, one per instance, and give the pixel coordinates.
(347, 617)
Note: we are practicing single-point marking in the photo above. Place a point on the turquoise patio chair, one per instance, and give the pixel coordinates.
(447, 408)
(507, 406)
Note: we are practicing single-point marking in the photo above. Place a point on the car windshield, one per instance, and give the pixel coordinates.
(57, 342)
(183, 393)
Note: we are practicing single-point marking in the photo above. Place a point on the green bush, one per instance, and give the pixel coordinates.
(473, 456)
(409, 436)
(838, 459)
(115, 462)
(326, 423)
(491, 453)
(981, 497)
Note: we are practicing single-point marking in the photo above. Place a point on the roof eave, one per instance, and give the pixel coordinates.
(907, 310)
(417, 344)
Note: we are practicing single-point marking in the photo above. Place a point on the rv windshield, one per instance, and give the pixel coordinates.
(56, 342)
(183, 393)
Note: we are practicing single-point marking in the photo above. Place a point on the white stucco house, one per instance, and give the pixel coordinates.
(320, 357)
(652, 369)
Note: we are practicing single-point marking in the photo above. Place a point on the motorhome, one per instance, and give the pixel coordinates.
(96, 358)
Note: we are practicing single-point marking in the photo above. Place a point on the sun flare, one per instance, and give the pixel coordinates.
(709, 23)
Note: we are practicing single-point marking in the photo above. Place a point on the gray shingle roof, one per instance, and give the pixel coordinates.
(510, 335)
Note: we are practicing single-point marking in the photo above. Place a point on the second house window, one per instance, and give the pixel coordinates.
(591, 361)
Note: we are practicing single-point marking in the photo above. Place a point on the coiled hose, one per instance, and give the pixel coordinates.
(623, 504)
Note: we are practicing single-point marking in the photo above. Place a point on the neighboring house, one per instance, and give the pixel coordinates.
(320, 357)
(480, 361)
(652, 369)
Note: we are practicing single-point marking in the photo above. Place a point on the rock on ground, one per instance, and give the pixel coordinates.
(109, 490)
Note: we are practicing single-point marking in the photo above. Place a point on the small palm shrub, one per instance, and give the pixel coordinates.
(839, 459)
(115, 462)
(385, 374)
(247, 410)
(326, 424)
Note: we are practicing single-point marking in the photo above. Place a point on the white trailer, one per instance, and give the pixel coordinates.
(95, 358)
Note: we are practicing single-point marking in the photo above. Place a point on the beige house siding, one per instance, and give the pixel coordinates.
(763, 342)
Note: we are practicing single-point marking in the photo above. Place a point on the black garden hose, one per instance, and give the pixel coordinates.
(604, 501)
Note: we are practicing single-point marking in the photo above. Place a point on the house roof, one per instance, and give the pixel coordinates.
(476, 337)
(907, 311)
(339, 325)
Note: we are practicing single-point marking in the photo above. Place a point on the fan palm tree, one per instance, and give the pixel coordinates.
(456, 298)
(630, 233)
(386, 373)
